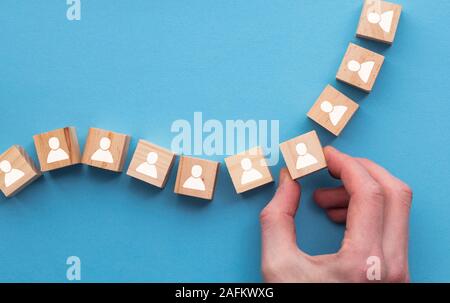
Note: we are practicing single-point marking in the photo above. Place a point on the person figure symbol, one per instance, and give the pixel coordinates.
(12, 175)
(194, 181)
(304, 159)
(56, 152)
(335, 112)
(250, 174)
(364, 70)
(384, 20)
(103, 154)
(148, 168)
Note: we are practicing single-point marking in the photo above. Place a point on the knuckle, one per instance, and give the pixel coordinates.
(373, 192)
(365, 160)
(402, 192)
(406, 193)
(357, 264)
(273, 268)
(265, 215)
(269, 217)
(354, 269)
(398, 273)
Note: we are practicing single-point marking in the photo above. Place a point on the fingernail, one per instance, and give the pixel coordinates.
(283, 176)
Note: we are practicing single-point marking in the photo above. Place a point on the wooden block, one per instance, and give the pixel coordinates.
(248, 170)
(333, 110)
(360, 67)
(105, 149)
(17, 170)
(379, 21)
(303, 155)
(196, 177)
(151, 163)
(58, 148)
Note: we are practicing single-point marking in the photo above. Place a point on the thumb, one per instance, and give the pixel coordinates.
(277, 218)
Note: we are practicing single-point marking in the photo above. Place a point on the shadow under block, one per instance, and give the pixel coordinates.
(196, 177)
(303, 155)
(248, 170)
(379, 21)
(360, 67)
(105, 149)
(332, 110)
(151, 163)
(17, 170)
(57, 148)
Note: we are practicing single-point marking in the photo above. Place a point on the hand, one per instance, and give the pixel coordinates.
(375, 206)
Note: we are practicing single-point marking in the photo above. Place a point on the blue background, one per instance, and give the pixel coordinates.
(137, 66)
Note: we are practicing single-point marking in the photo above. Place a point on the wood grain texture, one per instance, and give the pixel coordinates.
(258, 164)
(68, 144)
(162, 165)
(335, 98)
(313, 148)
(118, 149)
(361, 55)
(208, 177)
(18, 159)
(374, 31)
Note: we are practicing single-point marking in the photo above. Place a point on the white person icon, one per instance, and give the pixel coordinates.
(148, 167)
(103, 154)
(195, 181)
(363, 69)
(335, 112)
(304, 159)
(56, 152)
(12, 175)
(384, 20)
(249, 174)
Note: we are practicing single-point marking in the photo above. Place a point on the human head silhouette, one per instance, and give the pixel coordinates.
(53, 142)
(301, 149)
(196, 171)
(326, 106)
(152, 157)
(354, 65)
(246, 164)
(5, 166)
(373, 17)
(105, 143)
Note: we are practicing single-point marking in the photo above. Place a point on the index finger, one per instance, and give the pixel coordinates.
(366, 205)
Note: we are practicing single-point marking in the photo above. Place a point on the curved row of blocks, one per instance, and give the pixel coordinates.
(197, 177)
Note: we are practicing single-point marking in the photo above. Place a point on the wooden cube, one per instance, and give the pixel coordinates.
(58, 148)
(303, 155)
(105, 149)
(333, 110)
(360, 67)
(196, 177)
(151, 163)
(17, 170)
(248, 170)
(379, 21)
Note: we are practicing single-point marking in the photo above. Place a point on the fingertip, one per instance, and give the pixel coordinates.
(286, 179)
(329, 149)
(331, 153)
(337, 215)
(287, 186)
(316, 195)
(336, 161)
(284, 175)
(317, 199)
(286, 198)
